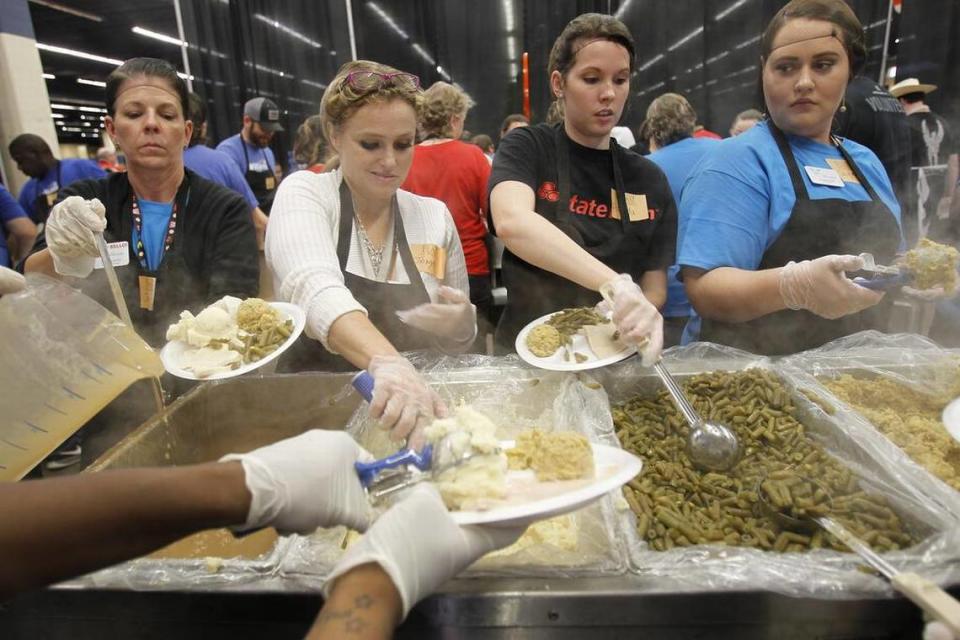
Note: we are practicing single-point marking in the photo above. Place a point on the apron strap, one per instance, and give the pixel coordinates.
(619, 185)
(856, 170)
(799, 188)
(346, 224)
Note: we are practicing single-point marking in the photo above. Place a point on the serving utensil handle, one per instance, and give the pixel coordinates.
(939, 604)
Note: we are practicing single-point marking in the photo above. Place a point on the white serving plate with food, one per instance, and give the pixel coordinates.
(172, 353)
(557, 362)
(529, 500)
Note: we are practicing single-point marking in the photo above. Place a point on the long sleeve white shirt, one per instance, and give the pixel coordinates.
(301, 248)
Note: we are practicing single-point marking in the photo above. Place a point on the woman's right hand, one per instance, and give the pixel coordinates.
(71, 235)
(822, 287)
(637, 320)
(402, 401)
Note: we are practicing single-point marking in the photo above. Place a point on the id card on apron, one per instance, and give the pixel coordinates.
(148, 291)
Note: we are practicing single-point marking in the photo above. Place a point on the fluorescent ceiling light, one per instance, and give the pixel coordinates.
(387, 20)
(56, 6)
(685, 39)
(78, 54)
(49, 76)
(276, 24)
(92, 83)
(622, 10)
(508, 21)
(162, 37)
(70, 107)
(733, 7)
(56, 116)
(747, 43)
(652, 61)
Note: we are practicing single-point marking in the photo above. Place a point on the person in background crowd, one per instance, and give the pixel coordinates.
(48, 175)
(294, 485)
(871, 116)
(513, 121)
(18, 231)
(250, 149)
(456, 173)
(107, 160)
(771, 220)
(578, 214)
(310, 147)
(378, 270)
(218, 167)
(669, 127)
(745, 120)
(699, 131)
(485, 143)
(933, 143)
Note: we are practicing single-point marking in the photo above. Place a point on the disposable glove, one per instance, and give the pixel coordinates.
(71, 235)
(11, 281)
(821, 286)
(420, 546)
(305, 482)
(637, 321)
(454, 318)
(402, 401)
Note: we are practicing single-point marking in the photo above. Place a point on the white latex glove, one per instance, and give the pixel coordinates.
(305, 482)
(821, 286)
(402, 401)
(420, 546)
(937, 631)
(454, 318)
(11, 281)
(71, 235)
(637, 320)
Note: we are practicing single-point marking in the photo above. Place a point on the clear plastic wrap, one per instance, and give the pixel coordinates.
(818, 573)
(515, 397)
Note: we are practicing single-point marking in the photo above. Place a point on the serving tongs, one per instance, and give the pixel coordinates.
(881, 277)
(407, 467)
(924, 593)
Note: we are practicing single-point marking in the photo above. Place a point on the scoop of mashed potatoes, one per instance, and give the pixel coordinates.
(561, 455)
(480, 481)
(543, 340)
(213, 323)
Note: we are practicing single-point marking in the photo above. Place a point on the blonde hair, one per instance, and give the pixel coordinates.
(670, 118)
(340, 100)
(555, 112)
(441, 102)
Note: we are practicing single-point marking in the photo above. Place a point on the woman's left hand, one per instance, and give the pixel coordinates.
(454, 318)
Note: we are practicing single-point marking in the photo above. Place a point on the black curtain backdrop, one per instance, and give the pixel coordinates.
(929, 50)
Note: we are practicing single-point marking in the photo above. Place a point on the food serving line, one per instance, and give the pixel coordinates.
(591, 574)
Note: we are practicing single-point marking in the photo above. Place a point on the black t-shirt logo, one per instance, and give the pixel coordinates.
(548, 191)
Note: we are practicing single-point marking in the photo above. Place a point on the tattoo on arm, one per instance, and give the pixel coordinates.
(351, 618)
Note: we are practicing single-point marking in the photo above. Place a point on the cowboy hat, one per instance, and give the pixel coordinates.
(911, 85)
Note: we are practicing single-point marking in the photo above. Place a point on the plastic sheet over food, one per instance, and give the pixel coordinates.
(818, 573)
(516, 398)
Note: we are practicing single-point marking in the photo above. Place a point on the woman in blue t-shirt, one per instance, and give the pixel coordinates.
(771, 221)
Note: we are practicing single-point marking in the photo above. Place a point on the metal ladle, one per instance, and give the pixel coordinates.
(936, 602)
(710, 445)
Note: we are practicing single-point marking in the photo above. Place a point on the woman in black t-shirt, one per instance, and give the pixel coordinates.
(557, 193)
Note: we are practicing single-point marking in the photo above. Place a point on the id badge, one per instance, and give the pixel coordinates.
(119, 255)
(52, 198)
(148, 291)
(270, 182)
(823, 176)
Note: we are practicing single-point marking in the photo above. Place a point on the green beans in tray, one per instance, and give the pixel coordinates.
(569, 321)
(677, 505)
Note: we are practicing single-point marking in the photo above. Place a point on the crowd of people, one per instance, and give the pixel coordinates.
(384, 239)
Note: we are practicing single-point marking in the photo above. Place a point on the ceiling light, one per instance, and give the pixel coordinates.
(387, 20)
(652, 61)
(49, 76)
(276, 24)
(685, 39)
(92, 83)
(162, 37)
(56, 6)
(733, 7)
(56, 116)
(78, 54)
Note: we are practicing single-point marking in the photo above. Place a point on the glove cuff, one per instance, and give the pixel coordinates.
(77, 267)
(266, 498)
(352, 561)
(788, 285)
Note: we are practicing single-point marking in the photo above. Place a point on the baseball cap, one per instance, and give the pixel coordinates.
(265, 112)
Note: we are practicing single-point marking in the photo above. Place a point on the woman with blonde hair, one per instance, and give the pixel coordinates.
(378, 270)
(456, 173)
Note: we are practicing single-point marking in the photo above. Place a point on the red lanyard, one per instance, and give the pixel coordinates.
(138, 226)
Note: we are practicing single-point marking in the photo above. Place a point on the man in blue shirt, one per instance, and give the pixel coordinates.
(47, 174)
(250, 149)
(17, 226)
(217, 166)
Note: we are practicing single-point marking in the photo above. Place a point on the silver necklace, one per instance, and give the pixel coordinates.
(375, 253)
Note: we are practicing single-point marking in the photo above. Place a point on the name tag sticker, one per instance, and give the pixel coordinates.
(269, 182)
(843, 170)
(119, 255)
(636, 206)
(823, 176)
(430, 259)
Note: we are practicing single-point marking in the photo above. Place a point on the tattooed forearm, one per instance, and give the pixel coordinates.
(363, 604)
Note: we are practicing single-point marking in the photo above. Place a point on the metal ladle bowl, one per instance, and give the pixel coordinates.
(710, 445)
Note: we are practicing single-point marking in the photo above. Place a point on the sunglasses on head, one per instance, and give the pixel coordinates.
(364, 81)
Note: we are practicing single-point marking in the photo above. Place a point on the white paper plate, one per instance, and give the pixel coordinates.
(529, 500)
(172, 352)
(556, 361)
(951, 418)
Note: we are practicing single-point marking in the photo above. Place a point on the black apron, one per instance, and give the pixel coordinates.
(534, 292)
(262, 183)
(816, 228)
(382, 300)
(45, 201)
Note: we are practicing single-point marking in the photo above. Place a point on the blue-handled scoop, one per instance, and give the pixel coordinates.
(399, 470)
(879, 277)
